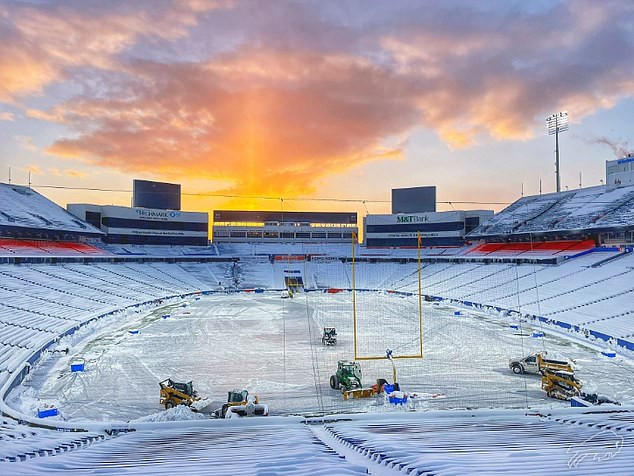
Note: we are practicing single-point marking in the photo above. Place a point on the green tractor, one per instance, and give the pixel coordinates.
(348, 376)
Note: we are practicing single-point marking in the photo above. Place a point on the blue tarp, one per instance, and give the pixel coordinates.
(624, 343)
(76, 367)
(565, 325)
(600, 335)
(47, 412)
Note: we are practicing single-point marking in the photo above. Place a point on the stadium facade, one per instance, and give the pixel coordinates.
(233, 226)
(434, 229)
(620, 172)
(145, 226)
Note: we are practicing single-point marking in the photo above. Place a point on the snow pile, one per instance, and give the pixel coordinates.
(178, 413)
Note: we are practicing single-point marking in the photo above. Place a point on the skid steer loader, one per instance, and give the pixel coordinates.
(240, 403)
(176, 393)
(558, 378)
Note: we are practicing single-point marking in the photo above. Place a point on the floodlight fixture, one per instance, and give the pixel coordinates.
(557, 123)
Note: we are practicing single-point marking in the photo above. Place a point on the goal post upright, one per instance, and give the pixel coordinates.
(354, 300)
(420, 298)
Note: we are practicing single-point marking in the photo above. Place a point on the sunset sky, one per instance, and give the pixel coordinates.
(312, 99)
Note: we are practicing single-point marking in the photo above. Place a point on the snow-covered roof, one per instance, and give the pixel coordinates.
(23, 207)
(589, 208)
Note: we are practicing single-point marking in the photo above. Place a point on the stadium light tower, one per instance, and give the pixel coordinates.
(557, 123)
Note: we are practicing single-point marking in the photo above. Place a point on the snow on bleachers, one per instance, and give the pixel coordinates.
(23, 207)
(587, 208)
(494, 443)
(20, 442)
(11, 357)
(572, 292)
(474, 442)
(129, 279)
(158, 250)
(288, 447)
(161, 278)
(512, 217)
(107, 282)
(208, 274)
(178, 275)
(621, 215)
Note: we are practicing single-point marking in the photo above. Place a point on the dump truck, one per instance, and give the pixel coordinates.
(529, 364)
(329, 336)
(240, 403)
(177, 393)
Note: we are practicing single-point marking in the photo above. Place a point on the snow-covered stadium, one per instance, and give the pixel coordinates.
(88, 330)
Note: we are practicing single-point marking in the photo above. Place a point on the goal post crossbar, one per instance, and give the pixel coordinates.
(396, 357)
(354, 307)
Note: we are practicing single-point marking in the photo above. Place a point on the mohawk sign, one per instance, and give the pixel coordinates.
(156, 214)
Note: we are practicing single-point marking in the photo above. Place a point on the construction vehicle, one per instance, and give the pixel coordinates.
(558, 378)
(240, 403)
(347, 377)
(529, 364)
(330, 336)
(348, 380)
(176, 393)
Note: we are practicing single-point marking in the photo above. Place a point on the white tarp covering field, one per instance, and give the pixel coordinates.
(272, 347)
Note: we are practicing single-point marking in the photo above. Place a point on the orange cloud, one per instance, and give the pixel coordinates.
(266, 123)
(34, 169)
(75, 173)
(176, 91)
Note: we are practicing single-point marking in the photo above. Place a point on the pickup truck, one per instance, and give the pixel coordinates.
(527, 365)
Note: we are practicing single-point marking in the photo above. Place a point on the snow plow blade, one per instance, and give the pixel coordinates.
(204, 406)
(359, 393)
